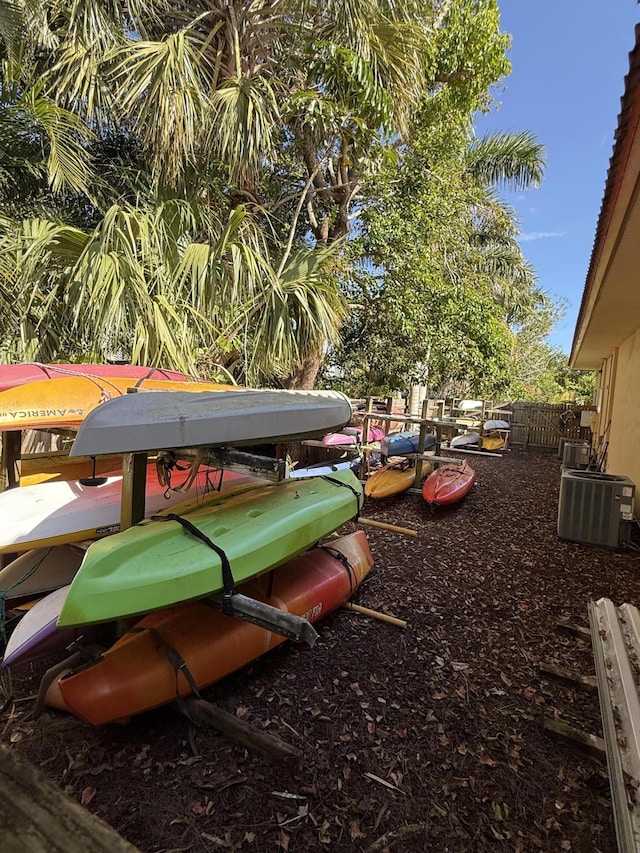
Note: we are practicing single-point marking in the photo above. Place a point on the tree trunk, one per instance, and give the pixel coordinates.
(304, 376)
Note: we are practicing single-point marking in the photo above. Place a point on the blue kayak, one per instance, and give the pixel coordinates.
(400, 443)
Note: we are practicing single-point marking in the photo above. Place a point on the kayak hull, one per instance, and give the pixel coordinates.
(136, 675)
(55, 513)
(158, 563)
(352, 436)
(37, 636)
(392, 480)
(40, 571)
(323, 469)
(398, 444)
(492, 442)
(145, 422)
(467, 439)
(12, 375)
(448, 484)
(65, 402)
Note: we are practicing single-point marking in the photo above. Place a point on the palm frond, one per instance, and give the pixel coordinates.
(514, 160)
(242, 121)
(161, 87)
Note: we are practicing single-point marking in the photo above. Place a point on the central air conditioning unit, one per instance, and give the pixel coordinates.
(596, 509)
(576, 454)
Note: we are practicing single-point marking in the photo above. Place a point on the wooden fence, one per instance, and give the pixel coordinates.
(540, 426)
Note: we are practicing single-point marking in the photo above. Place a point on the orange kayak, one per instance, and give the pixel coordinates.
(136, 673)
(64, 403)
(392, 479)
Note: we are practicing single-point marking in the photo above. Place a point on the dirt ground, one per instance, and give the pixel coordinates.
(424, 738)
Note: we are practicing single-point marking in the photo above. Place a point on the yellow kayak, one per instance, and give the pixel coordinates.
(64, 403)
(392, 479)
(492, 442)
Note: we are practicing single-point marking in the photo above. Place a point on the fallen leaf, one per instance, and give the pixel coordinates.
(87, 795)
(323, 834)
(283, 840)
(354, 829)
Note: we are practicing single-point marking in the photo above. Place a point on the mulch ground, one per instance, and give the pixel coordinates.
(424, 738)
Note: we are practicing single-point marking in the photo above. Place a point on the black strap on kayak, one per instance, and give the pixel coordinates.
(345, 562)
(358, 495)
(227, 574)
(179, 666)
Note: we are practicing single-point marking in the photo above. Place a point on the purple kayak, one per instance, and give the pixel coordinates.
(37, 636)
(353, 435)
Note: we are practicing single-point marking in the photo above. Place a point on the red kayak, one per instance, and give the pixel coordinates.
(448, 484)
(13, 375)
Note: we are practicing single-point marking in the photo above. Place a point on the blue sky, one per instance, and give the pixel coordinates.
(569, 60)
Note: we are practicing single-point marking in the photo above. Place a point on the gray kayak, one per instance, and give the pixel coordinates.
(464, 440)
(159, 420)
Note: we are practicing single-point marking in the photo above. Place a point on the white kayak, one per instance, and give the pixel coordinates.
(467, 439)
(495, 424)
(151, 421)
(469, 405)
(41, 570)
(324, 469)
(59, 512)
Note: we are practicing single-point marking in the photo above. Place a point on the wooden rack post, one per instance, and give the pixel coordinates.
(134, 481)
(11, 459)
(422, 437)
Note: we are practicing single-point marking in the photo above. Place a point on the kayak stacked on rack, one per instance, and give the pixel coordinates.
(353, 436)
(139, 671)
(14, 375)
(69, 510)
(491, 437)
(203, 548)
(64, 402)
(223, 534)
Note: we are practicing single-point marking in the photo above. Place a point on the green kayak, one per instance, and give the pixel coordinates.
(196, 550)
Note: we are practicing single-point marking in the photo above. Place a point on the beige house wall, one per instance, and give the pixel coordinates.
(623, 455)
(604, 401)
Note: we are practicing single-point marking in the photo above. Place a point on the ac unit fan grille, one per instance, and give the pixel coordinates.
(595, 509)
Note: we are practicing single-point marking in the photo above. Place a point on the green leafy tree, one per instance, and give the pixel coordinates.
(446, 278)
(541, 371)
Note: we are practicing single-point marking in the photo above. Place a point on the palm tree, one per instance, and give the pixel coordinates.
(274, 112)
(498, 161)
